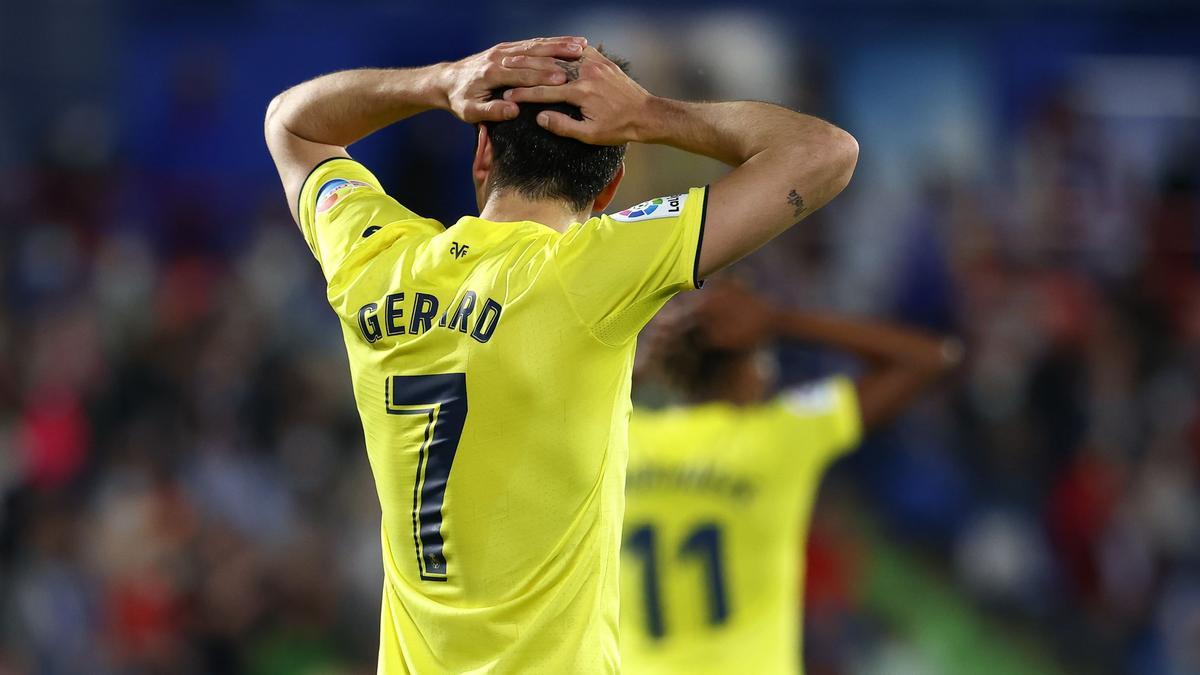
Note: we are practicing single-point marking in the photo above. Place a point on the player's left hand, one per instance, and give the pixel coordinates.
(469, 83)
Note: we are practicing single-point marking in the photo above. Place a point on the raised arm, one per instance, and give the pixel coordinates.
(318, 119)
(900, 362)
(787, 165)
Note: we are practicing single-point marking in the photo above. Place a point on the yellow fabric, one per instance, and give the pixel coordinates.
(718, 486)
(525, 578)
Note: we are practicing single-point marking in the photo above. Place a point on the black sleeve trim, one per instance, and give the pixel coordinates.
(300, 206)
(696, 280)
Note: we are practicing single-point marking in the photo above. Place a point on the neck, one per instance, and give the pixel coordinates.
(510, 206)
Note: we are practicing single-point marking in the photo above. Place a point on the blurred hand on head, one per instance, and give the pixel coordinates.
(733, 317)
(724, 316)
(535, 62)
(613, 105)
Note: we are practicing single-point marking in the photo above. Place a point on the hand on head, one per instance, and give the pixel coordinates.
(551, 70)
(527, 63)
(724, 316)
(612, 103)
(702, 344)
(733, 317)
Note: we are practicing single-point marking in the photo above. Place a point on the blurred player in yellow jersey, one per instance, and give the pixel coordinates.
(719, 492)
(491, 357)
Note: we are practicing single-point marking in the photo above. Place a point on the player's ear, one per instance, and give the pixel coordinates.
(606, 195)
(482, 165)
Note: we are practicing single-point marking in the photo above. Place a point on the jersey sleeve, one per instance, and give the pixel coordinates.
(821, 421)
(619, 270)
(342, 202)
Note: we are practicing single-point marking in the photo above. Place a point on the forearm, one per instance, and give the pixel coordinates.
(901, 362)
(316, 120)
(787, 165)
(874, 341)
(732, 132)
(341, 108)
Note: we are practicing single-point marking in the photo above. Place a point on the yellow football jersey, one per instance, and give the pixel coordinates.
(491, 367)
(718, 499)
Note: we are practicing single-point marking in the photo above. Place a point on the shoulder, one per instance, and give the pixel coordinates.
(669, 206)
(380, 246)
(819, 398)
(657, 209)
(336, 175)
(826, 411)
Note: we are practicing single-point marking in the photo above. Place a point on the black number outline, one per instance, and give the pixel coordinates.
(443, 400)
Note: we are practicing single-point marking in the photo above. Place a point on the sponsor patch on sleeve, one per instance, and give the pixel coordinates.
(335, 190)
(659, 207)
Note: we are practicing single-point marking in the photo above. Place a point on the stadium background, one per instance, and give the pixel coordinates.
(182, 482)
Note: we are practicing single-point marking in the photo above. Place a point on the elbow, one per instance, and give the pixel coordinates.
(275, 120)
(843, 157)
(826, 155)
(271, 118)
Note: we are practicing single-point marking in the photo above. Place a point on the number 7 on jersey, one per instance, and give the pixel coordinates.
(442, 399)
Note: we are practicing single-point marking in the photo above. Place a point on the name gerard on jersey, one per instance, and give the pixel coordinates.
(387, 317)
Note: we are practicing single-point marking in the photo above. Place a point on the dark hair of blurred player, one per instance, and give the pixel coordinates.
(711, 349)
(719, 491)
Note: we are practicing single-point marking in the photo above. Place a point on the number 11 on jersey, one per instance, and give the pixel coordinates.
(704, 544)
(442, 399)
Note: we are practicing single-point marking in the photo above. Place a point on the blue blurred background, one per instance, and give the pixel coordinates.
(183, 487)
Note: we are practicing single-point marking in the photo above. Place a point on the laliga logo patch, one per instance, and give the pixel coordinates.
(661, 207)
(335, 190)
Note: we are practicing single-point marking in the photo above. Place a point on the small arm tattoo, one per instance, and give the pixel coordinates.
(571, 68)
(797, 203)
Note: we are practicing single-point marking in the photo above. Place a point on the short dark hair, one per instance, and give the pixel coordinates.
(540, 165)
(693, 368)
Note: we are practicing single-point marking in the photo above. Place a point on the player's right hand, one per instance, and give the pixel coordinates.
(613, 105)
(470, 82)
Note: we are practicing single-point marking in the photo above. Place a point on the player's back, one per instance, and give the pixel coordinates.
(469, 321)
(491, 366)
(718, 499)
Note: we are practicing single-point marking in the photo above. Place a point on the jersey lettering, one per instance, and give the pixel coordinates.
(465, 319)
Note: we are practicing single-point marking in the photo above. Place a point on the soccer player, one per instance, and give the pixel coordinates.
(491, 357)
(719, 492)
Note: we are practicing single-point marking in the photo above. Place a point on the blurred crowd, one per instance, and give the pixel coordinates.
(183, 487)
